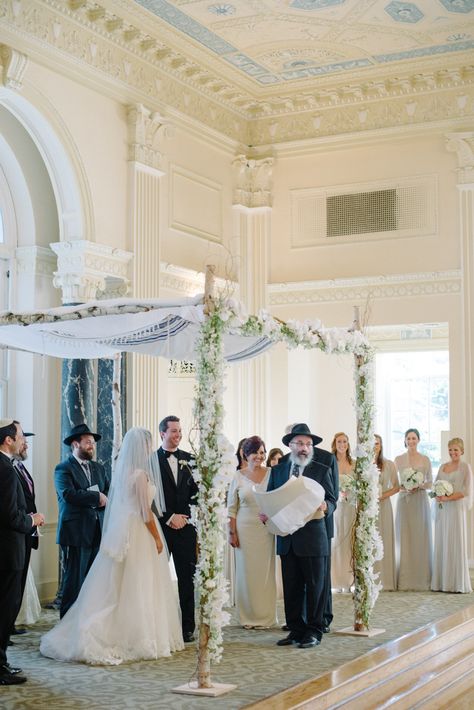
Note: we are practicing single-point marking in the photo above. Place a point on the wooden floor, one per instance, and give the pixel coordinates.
(430, 668)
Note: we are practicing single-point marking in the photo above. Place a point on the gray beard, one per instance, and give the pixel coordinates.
(302, 461)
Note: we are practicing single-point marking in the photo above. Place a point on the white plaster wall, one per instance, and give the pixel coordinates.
(94, 129)
(382, 160)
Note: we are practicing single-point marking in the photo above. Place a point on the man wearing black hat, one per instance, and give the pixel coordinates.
(304, 553)
(15, 524)
(81, 486)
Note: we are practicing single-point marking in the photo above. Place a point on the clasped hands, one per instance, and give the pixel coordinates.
(178, 521)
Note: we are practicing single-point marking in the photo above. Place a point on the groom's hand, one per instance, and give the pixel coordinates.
(178, 521)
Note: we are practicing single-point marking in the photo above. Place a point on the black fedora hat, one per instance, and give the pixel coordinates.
(301, 430)
(78, 431)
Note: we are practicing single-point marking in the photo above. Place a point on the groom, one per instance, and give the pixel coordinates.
(180, 492)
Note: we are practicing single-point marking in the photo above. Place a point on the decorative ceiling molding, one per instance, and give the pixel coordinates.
(363, 288)
(137, 58)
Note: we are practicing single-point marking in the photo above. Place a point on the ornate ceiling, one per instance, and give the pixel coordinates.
(284, 42)
(264, 72)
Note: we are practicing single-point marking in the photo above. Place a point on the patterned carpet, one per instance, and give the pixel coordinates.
(251, 660)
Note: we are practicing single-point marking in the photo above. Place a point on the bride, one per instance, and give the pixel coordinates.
(127, 608)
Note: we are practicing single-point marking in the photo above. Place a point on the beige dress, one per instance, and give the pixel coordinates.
(341, 550)
(387, 566)
(413, 529)
(450, 562)
(255, 580)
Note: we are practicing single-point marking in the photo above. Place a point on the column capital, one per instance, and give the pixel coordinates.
(87, 270)
(462, 144)
(252, 182)
(146, 129)
(35, 261)
(14, 65)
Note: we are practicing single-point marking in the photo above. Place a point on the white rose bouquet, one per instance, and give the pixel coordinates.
(441, 488)
(347, 488)
(411, 479)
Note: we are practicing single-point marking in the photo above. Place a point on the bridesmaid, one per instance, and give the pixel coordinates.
(450, 562)
(254, 546)
(389, 486)
(341, 568)
(274, 456)
(413, 524)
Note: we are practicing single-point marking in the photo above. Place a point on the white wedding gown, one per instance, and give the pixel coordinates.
(126, 611)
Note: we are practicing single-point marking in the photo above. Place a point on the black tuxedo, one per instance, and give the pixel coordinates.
(179, 496)
(304, 557)
(15, 525)
(80, 521)
(32, 539)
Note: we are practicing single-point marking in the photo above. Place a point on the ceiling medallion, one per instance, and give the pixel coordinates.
(222, 9)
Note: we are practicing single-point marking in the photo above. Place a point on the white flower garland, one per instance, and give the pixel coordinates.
(216, 462)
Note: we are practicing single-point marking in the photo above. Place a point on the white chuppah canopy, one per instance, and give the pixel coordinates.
(100, 329)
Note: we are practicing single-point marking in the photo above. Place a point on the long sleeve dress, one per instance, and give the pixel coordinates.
(387, 565)
(255, 581)
(450, 560)
(413, 528)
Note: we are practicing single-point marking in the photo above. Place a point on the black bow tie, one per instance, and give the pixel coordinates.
(170, 453)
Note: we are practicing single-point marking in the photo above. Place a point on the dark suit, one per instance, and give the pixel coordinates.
(32, 539)
(304, 557)
(15, 525)
(181, 543)
(80, 522)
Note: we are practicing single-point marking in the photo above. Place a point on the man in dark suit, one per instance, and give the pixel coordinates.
(327, 459)
(81, 486)
(15, 524)
(304, 553)
(28, 487)
(180, 492)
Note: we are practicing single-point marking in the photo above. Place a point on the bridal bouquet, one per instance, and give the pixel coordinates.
(347, 488)
(411, 479)
(441, 488)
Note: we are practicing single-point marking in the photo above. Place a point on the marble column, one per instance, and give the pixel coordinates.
(462, 144)
(85, 271)
(252, 206)
(147, 374)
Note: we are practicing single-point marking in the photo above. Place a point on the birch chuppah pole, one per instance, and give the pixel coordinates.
(214, 456)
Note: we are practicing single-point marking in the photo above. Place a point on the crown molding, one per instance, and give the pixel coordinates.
(363, 288)
(35, 260)
(135, 58)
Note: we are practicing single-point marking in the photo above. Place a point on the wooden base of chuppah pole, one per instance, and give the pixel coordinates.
(349, 631)
(212, 692)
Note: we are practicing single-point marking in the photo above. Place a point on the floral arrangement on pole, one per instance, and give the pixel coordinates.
(367, 544)
(215, 467)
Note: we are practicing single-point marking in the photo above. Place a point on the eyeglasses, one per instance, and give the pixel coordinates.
(301, 444)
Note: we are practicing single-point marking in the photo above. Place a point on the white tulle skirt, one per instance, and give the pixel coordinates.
(30, 610)
(126, 611)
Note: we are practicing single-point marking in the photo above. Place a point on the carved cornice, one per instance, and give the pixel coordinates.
(13, 67)
(252, 182)
(186, 281)
(86, 270)
(139, 60)
(145, 130)
(360, 289)
(35, 260)
(463, 145)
